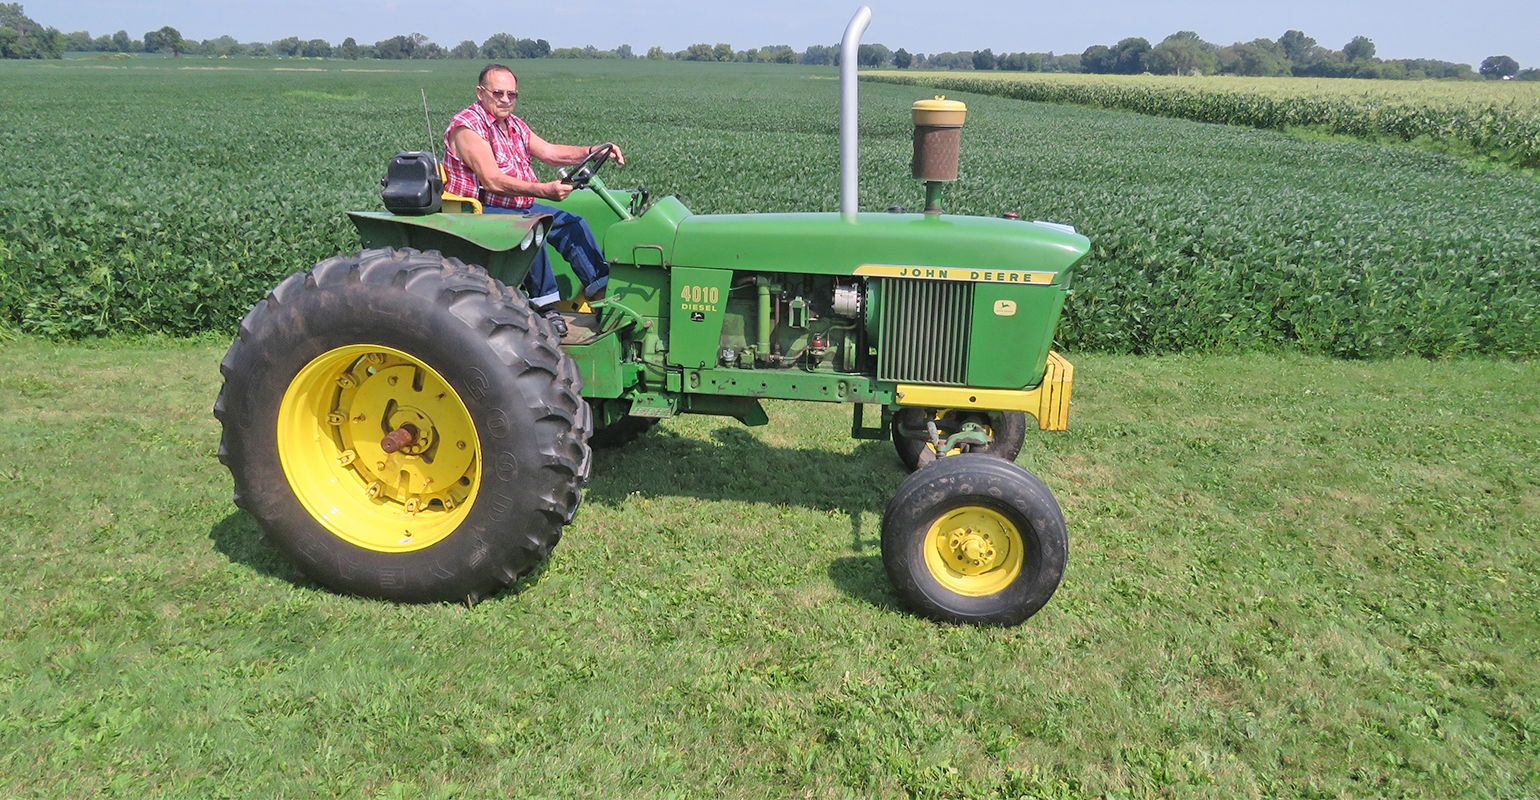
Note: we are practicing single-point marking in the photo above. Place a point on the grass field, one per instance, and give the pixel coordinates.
(212, 182)
(1494, 119)
(1289, 577)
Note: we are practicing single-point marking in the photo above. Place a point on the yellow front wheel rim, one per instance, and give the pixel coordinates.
(330, 423)
(974, 551)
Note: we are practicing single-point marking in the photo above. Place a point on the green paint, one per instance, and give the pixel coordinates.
(697, 303)
(826, 244)
(1012, 330)
(491, 240)
(788, 384)
(647, 240)
(600, 365)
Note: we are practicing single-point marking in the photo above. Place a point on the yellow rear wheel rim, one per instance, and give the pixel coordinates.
(330, 423)
(974, 551)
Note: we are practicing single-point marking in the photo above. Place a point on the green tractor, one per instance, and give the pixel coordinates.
(403, 425)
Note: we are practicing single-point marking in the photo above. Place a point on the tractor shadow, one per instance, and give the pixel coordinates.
(736, 466)
(238, 537)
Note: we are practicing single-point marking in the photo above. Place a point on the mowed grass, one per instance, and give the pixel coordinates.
(1289, 576)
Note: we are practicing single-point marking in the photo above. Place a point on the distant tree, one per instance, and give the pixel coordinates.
(1360, 49)
(624, 51)
(123, 43)
(499, 47)
(722, 52)
(655, 53)
(465, 49)
(396, 47)
(984, 59)
(532, 48)
(1098, 59)
(78, 42)
(165, 40)
(1498, 67)
(11, 16)
(700, 51)
(1531, 74)
(224, 46)
(819, 55)
(778, 54)
(1013, 62)
(1182, 53)
(902, 58)
(349, 49)
(316, 48)
(1296, 46)
(1132, 55)
(873, 55)
(286, 47)
(1256, 58)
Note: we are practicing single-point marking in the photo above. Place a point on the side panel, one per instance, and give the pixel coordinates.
(599, 363)
(697, 307)
(1012, 331)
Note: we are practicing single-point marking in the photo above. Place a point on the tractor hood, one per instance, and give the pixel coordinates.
(830, 245)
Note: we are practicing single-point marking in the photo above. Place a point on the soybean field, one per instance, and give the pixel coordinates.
(176, 206)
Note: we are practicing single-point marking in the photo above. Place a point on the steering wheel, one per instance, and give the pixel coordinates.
(578, 175)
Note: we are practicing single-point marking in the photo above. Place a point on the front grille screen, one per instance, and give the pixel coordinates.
(924, 331)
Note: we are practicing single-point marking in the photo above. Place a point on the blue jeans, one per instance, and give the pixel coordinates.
(572, 238)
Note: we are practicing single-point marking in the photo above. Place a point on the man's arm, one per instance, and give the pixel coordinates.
(565, 155)
(477, 154)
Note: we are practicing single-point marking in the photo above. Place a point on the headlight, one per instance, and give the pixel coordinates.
(530, 237)
(540, 231)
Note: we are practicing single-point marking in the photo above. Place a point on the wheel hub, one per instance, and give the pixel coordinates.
(341, 415)
(972, 549)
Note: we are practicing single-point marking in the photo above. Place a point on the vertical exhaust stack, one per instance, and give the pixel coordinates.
(850, 47)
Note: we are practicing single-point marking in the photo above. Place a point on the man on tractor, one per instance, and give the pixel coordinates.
(487, 156)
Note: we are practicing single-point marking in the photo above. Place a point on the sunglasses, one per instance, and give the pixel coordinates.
(500, 94)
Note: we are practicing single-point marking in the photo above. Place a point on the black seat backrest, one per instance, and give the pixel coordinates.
(412, 184)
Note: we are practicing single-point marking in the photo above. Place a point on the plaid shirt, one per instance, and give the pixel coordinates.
(510, 146)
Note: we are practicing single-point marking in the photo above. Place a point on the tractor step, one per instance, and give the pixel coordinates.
(582, 328)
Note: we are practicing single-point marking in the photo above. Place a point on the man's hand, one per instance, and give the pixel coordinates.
(555, 190)
(615, 155)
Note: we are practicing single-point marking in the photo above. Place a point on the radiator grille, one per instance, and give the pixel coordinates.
(924, 332)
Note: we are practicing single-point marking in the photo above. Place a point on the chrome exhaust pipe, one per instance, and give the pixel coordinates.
(850, 48)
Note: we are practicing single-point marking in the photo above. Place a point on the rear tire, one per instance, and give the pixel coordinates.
(341, 353)
(974, 539)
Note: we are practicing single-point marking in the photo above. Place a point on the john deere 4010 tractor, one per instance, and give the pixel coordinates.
(404, 426)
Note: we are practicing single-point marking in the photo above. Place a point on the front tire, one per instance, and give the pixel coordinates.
(974, 539)
(358, 346)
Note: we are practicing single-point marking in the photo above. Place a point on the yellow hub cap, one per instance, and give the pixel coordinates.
(330, 424)
(973, 551)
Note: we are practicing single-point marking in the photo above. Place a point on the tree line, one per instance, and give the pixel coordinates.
(1181, 53)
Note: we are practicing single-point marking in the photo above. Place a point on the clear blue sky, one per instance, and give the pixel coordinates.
(1401, 29)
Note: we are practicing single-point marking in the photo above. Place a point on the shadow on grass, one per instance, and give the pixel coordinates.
(736, 466)
(240, 539)
(863, 578)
